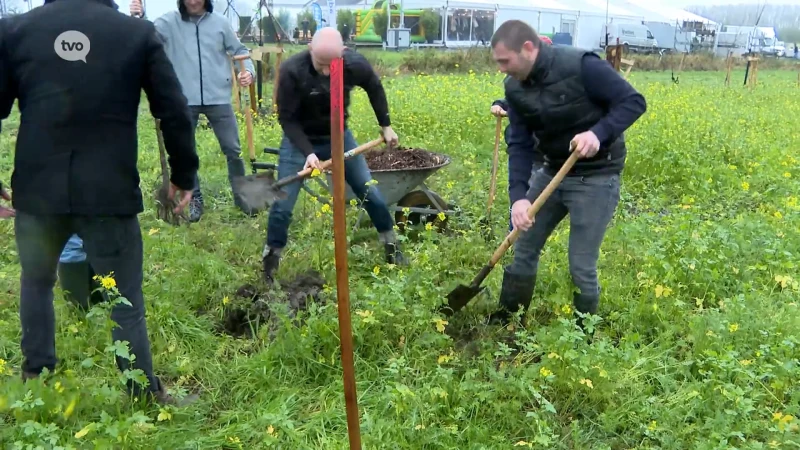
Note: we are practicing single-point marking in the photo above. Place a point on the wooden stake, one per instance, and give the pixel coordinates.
(493, 186)
(248, 115)
(236, 94)
(728, 67)
(629, 63)
(340, 249)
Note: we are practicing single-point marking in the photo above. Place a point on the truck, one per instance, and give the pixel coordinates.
(633, 36)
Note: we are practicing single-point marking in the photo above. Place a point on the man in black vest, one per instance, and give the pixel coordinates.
(557, 94)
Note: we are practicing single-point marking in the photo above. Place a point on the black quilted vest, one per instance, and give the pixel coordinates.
(555, 106)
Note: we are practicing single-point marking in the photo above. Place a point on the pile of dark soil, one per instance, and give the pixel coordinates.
(256, 308)
(401, 158)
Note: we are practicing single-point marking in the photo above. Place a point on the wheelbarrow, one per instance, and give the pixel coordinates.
(404, 191)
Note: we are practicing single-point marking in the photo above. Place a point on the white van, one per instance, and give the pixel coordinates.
(635, 37)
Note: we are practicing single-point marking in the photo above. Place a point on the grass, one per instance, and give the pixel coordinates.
(696, 346)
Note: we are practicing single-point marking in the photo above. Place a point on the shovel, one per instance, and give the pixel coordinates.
(261, 191)
(248, 115)
(493, 185)
(459, 297)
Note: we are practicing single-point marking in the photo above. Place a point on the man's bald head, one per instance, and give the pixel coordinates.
(325, 46)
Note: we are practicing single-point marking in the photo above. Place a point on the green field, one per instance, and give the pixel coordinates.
(698, 334)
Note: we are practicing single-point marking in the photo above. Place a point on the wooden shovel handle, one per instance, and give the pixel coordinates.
(248, 114)
(326, 164)
(537, 205)
(495, 158)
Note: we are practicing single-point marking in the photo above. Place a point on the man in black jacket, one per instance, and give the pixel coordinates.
(304, 114)
(75, 165)
(559, 94)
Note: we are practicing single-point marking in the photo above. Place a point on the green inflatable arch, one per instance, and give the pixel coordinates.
(365, 30)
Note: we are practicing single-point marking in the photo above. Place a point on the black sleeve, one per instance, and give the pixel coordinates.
(8, 90)
(605, 86)
(501, 102)
(362, 74)
(289, 111)
(521, 148)
(169, 105)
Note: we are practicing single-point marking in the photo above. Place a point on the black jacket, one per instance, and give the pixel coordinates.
(304, 98)
(77, 144)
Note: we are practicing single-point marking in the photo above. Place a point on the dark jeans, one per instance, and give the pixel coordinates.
(590, 202)
(356, 173)
(112, 244)
(223, 122)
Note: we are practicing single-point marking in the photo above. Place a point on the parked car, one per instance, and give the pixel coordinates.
(635, 37)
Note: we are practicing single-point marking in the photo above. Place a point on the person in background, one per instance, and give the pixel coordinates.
(499, 108)
(76, 276)
(587, 102)
(304, 114)
(75, 165)
(200, 44)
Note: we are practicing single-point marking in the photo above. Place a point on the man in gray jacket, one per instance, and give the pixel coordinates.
(199, 43)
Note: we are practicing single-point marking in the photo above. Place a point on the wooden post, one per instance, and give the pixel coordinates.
(629, 63)
(728, 68)
(752, 76)
(340, 249)
(278, 59)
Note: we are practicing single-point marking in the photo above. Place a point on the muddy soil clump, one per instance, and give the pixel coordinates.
(401, 158)
(254, 309)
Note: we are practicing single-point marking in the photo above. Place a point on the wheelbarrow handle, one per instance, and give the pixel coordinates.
(347, 155)
(532, 210)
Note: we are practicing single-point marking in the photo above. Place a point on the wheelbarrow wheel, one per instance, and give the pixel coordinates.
(418, 199)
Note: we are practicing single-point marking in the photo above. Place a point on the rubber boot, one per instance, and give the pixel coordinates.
(586, 304)
(77, 281)
(391, 248)
(270, 263)
(394, 255)
(517, 291)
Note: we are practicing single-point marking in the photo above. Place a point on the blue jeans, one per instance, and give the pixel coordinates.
(73, 251)
(223, 122)
(356, 173)
(590, 202)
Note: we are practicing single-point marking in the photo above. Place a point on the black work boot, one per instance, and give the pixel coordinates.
(77, 279)
(586, 304)
(270, 263)
(517, 291)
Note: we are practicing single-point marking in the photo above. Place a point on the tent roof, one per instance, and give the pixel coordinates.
(660, 12)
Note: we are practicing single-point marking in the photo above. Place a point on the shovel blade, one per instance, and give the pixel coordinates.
(459, 297)
(256, 192)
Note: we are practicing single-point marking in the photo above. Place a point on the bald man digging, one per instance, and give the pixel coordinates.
(304, 114)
